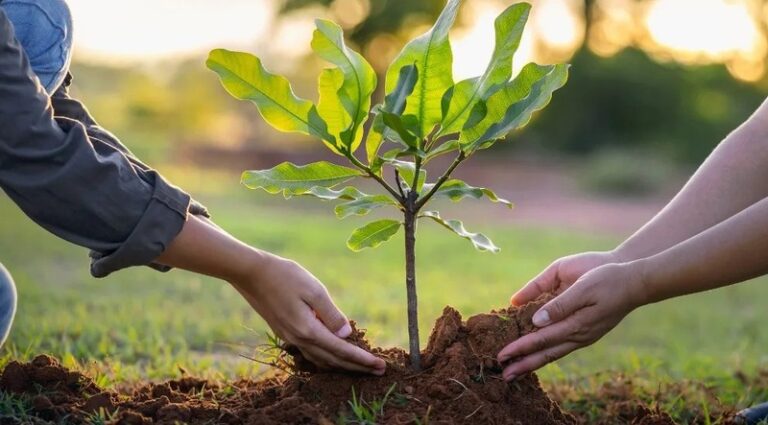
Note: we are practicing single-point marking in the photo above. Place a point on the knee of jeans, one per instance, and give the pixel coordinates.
(44, 30)
(7, 302)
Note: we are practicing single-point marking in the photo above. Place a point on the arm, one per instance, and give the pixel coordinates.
(292, 301)
(729, 252)
(734, 177)
(93, 198)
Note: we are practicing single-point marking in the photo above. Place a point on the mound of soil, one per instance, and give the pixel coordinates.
(460, 384)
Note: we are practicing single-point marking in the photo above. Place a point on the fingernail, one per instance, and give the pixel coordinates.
(509, 377)
(345, 331)
(541, 318)
(379, 372)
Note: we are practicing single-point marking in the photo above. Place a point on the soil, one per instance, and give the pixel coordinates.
(460, 384)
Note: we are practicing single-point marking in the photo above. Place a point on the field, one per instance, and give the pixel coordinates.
(142, 324)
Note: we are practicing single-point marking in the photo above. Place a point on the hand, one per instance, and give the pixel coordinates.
(561, 274)
(299, 310)
(578, 317)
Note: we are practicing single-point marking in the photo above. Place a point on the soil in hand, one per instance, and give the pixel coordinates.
(460, 384)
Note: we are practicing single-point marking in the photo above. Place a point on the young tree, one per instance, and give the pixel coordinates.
(425, 114)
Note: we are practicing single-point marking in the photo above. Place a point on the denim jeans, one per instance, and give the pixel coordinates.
(7, 303)
(44, 30)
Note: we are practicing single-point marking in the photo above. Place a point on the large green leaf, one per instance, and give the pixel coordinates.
(245, 78)
(432, 55)
(479, 241)
(509, 30)
(373, 234)
(394, 103)
(329, 105)
(359, 78)
(512, 107)
(292, 180)
(363, 205)
(456, 190)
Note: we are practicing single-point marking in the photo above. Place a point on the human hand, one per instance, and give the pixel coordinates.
(561, 274)
(299, 310)
(576, 318)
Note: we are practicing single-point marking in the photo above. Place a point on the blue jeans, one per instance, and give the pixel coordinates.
(44, 30)
(7, 303)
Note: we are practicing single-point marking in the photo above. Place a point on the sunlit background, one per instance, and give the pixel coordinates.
(654, 86)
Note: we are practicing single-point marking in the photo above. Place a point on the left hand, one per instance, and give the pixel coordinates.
(578, 317)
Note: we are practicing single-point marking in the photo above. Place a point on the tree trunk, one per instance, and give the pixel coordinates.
(410, 284)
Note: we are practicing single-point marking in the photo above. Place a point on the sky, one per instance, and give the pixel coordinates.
(690, 31)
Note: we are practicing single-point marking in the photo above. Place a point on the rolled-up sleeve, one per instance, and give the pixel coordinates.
(91, 196)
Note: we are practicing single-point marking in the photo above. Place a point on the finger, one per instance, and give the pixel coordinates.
(337, 363)
(559, 307)
(546, 281)
(537, 360)
(537, 341)
(329, 314)
(345, 351)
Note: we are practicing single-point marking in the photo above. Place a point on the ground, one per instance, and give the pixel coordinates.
(142, 324)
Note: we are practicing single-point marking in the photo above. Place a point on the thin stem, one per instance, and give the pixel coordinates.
(414, 186)
(459, 159)
(376, 177)
(399, 185)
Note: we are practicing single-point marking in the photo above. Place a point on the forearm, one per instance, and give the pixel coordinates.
(734, 177)
(204, 248)
(729, 252)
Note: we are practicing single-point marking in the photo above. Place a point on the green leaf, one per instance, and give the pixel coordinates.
(292, 180)
(394, 103)
(359, 78)
(329, 105)
(456, 190)
(432, 55)
(509, 30)
(373, 234)
(479, 241)
(512, 107)
(328, 194)
(245, 78)
(442, 149)
(363, 205)
(395, 122)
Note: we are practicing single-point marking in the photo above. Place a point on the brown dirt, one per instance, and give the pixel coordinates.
(460, 385)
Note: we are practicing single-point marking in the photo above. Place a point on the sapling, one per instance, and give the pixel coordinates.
(424, 115)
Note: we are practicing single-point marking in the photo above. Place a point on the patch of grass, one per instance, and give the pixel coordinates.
(14, 407)
(366, 412)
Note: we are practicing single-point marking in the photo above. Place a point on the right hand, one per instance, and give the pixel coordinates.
(562, 273)
(299, 310)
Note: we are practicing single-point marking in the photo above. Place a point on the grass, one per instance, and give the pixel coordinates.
(143, 324)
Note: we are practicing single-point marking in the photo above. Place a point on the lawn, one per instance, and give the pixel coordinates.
(143, 324)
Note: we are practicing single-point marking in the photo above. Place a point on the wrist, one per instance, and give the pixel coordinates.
(641, 272)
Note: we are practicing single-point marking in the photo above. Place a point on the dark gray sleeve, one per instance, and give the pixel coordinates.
(65, 106)
(96, 198)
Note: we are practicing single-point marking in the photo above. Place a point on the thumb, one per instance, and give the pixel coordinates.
(558, 308)
(330, 315)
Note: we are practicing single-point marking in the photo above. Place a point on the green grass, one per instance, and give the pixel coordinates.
(139, 323)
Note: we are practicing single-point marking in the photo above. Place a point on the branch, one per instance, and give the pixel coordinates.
(459, 159)
(376, 177)
(399, 186)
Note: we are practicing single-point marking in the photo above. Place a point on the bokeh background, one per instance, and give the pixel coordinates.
(654, 86)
